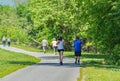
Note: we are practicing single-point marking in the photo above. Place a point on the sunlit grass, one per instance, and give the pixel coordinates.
(49, 51)
(102, 74)
(11, 61)
(69, 54)
(95, 69)
(33, 49)
(28, 48)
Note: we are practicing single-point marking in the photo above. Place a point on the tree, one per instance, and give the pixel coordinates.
(103, 24)
(54, 18)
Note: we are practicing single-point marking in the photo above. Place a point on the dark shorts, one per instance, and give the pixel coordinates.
(77, 53)
(59, 50)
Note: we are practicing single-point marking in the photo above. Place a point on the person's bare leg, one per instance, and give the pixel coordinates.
(78, 59)
(54, 50)
(61, 57)
(44, 49)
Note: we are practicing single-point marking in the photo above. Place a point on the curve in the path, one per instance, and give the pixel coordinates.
(48, 70)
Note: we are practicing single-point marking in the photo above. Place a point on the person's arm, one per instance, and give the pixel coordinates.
(58, 42)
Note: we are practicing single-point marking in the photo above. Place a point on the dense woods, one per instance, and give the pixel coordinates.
(97, 22)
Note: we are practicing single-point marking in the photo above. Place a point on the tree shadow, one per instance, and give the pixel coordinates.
(99, 65)
(53, 63)
(49, 57)
(50, 62)
(71, 65)
(22, 62)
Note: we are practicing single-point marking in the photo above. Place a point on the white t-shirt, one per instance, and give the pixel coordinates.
(61, 45)
(44, 42)
(4, 39)
(8, 40)
(54, 43)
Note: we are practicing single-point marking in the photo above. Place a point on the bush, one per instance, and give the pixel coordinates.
(114, 57)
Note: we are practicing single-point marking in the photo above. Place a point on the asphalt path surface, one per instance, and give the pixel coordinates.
(48, 69)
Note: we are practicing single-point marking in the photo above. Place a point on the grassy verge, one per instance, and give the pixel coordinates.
(50, 51)
(11, 61)
(32, 49)
(96, 70)
(69, 54)
(28, 48)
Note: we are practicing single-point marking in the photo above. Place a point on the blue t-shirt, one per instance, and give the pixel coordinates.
(77, 45)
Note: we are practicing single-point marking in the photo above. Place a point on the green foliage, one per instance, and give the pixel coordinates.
(114, 58)
(8, 17)
(54, 18)
(95, 21)
(17, 35)
(102, 19)
(10, 25)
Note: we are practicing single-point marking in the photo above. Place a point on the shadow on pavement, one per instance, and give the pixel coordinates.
(58, 65)
(49, 57)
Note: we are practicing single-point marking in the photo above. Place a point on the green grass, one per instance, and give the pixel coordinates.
(93, 66)
(28, 48)
(95, 69)
(32, 49)
(102, 74)
(50, 51)
(69, 54)
(11, 61)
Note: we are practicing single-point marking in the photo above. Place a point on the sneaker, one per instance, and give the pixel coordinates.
(75, 62)
(78, 62)
(61, 63)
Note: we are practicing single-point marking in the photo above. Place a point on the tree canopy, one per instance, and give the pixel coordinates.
(95, 21)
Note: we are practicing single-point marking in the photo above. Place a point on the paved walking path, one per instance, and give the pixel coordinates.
(47, 70)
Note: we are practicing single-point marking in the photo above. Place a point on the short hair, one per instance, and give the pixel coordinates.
(77, 37)
(60, 38)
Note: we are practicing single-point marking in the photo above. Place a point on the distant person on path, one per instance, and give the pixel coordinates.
(8, 40)
(4, 41)
(77, 49)
(60, 44)
(54, 45)
(44, 45)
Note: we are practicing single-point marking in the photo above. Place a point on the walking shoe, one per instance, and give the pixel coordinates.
(78, 62)
(75, 62)
(61, 63)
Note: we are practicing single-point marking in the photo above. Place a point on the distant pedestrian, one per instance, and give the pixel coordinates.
(54, 45)
(44, 45)
(9, 41)
(60, 44)
(77, 49)
(4, 41)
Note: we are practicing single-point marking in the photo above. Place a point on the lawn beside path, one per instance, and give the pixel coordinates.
(12, 61)
(94, 69)
(48, 67)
